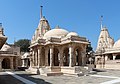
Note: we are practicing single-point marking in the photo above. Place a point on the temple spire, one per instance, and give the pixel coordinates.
(101, 19)
(41, 11)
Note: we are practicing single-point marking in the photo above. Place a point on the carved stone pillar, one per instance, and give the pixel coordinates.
(11, 63)
(106, 57)
(23, 62)
(0, 64)
(70, 56)
(51, 55)
(74, 59)
(31, 59)
(16, 62)
(46, 57)
(114, 57)
(33, 56)
(61, 58)
(83, 58)
(39, 57)
(36, 58)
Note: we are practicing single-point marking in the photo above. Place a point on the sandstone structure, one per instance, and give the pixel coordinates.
(9, 54)
(107, 52)
(56, 50)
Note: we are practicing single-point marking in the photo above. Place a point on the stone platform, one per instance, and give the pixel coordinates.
(57, 71)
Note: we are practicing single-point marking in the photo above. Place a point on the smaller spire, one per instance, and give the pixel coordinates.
(41, 11)
(101, 19)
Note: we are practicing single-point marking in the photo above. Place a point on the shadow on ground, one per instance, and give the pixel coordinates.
(35, 80)
(8, 79)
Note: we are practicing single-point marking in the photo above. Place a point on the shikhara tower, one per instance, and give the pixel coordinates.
(104, 41)
(42, 28)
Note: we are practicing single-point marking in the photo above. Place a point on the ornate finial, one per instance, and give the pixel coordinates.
(57, 27)
(101, 19)
(41, 11)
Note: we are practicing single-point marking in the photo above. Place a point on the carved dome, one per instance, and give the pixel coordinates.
(72, 34)
(117, 44)
(56, 33)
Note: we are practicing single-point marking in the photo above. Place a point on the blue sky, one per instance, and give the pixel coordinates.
(20, 18)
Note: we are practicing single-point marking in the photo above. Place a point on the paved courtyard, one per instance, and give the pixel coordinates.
(21, 77)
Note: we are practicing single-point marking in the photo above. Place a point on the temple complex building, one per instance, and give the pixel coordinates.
(107, 52)
(9, 54)
(56, 50)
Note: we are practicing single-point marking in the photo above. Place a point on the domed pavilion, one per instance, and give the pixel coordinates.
(56, 50)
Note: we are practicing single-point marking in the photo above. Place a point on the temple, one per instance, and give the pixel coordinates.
(107, 51)
(9, 54)
(56, 50)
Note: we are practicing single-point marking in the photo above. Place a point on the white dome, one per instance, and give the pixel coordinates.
(56, 33)
(6, 47)
(117, 44)
(72, 34)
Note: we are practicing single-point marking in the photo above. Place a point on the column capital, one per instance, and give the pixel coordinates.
(51, 46)
(46, 48)
(71, 56)
(114, 54)
(70, 45)
(51, 55)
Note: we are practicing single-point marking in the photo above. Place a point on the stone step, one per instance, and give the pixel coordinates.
(54, 74)
(74, 74)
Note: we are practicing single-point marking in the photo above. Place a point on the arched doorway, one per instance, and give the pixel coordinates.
(6, 63)
(66, 57)
(56, 57)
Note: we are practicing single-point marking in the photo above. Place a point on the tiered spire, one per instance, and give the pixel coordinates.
(104, 41)
(42, 28)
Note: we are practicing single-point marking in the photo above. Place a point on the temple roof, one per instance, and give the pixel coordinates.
(117, 44)
(57, 32)
(104, 41)
(72, 34)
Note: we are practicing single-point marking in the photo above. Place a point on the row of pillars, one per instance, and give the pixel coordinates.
(113, 57)
(37, 55)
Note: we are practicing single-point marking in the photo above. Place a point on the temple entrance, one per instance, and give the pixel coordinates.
(6, 63)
